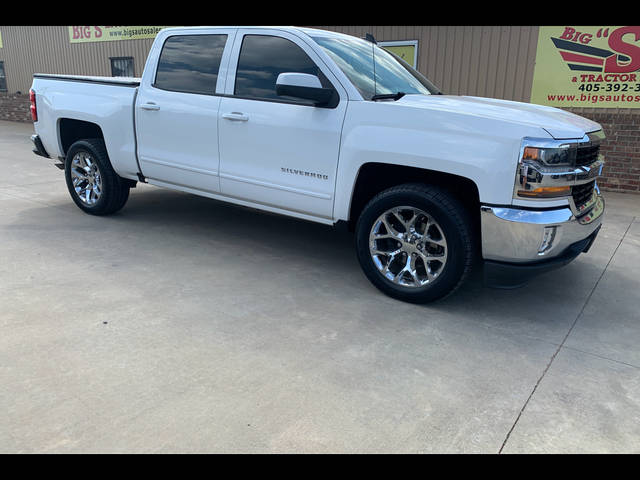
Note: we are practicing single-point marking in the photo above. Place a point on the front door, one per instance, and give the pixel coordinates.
(275, 151)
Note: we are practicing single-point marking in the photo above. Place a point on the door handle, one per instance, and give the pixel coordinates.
(236, 116)
(150, 106)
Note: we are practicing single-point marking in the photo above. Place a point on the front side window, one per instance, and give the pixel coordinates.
(122, 67)
(3, 79)
(264, 57)
(373, 70)
(190, 63)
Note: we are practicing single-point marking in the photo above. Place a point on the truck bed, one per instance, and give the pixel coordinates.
(105, 102)
(123, 81)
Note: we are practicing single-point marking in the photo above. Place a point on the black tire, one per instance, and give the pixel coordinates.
(114, 191)
(453, 222)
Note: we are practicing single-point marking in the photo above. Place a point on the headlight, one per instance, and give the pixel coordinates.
(548, 168)
(560, 156)
(544, 158)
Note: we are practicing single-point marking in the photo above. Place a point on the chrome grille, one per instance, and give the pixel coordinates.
(582, 194)
(587, 155)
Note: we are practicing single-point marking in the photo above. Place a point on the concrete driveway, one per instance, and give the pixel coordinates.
(182, 324)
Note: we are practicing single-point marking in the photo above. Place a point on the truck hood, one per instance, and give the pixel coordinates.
(557, 123)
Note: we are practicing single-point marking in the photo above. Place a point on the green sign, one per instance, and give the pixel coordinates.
(405, 49)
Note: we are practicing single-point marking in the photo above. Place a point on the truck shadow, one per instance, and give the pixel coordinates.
(205, 224)
(198, 215)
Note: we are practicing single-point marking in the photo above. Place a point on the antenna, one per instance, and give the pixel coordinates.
(369, 38)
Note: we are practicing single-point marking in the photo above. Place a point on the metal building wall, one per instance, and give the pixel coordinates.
(469, 60)
(491, 61)
(485, 61)
(46, 49)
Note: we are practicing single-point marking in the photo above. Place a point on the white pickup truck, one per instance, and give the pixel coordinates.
(331, 128)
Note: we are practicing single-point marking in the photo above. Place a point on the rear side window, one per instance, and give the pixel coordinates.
(262, 58)
(190, 63)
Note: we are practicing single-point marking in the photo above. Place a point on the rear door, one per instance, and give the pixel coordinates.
(177, 109)
(277, 151)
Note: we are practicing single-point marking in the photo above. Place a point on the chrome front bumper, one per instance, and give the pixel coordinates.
(519, 236)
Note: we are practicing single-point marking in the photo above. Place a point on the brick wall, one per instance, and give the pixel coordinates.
(621, 150)
(14, 107)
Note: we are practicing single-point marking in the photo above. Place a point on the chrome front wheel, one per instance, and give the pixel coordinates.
(414, 242)
(408, 246)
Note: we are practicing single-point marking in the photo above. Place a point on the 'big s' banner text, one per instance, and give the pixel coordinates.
(105, 34)
(587, 67)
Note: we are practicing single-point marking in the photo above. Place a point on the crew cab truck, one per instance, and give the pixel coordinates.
(331, 128)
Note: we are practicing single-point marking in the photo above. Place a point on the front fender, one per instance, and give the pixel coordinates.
(482, 150)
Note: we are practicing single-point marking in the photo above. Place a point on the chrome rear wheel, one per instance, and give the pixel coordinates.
(92, 182)
(86, 178)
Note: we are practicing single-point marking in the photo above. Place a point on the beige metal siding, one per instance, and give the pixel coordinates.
(46, 49)
(467, 60)
(486, 61)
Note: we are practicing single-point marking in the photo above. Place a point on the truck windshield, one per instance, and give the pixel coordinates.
(355, 57)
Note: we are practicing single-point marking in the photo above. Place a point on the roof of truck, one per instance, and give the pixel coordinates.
(309, 31)
(135, 81)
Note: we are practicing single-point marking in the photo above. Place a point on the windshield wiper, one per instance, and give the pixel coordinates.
(385, 96)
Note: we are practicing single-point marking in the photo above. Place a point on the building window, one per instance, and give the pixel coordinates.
(122, 67)
(3, 79)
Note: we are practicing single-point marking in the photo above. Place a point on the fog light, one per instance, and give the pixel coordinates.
(547, 239)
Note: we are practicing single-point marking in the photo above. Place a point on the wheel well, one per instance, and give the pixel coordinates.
(72, 130)
(376, 177)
